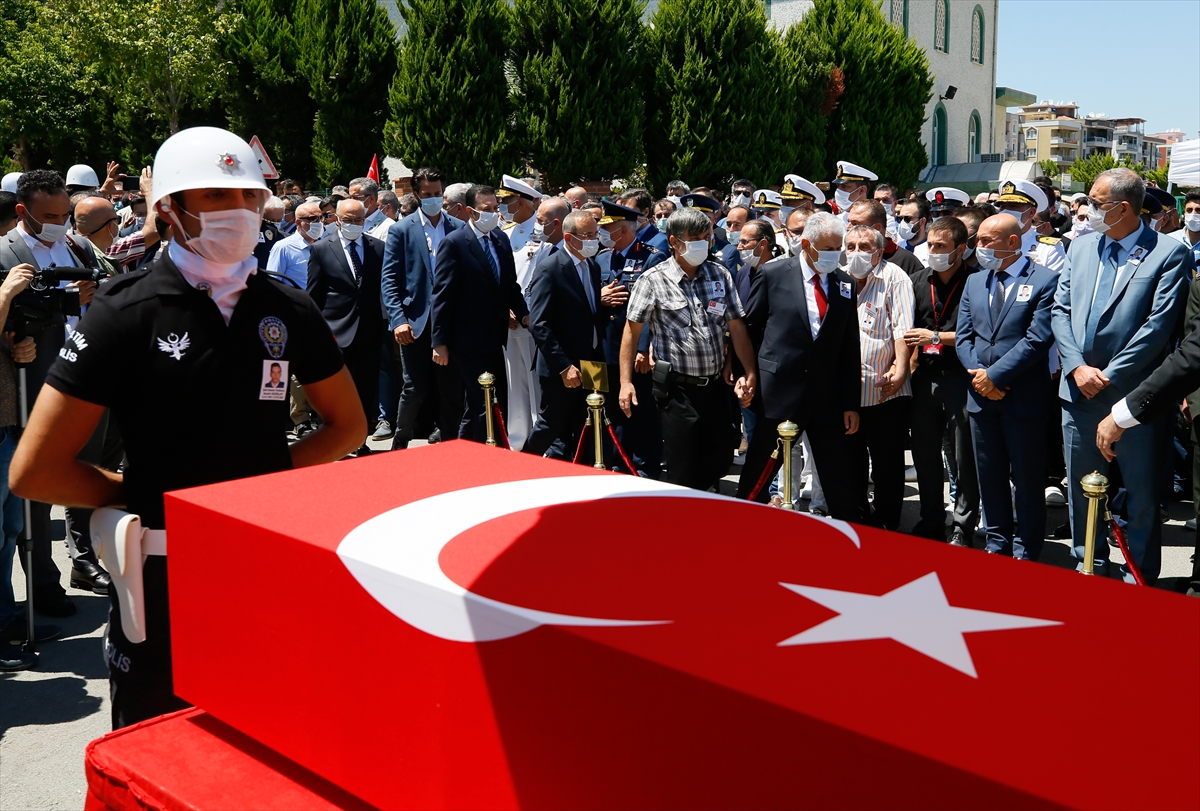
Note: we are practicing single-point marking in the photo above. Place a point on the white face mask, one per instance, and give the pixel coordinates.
(733, 236)
(842, 198)
(794, 245)
(590, 247)
(694, 251)
(749, 258)
(226, 237)
(967, 253)
(606, 238)
(988, 258)
(539, 233)
(940, 262)
(858, 264)
(1096, 217)
(674, 200)
(431, 206)
(1016, 215)
(784, 211)
(50, 232)
(827, 261)
(315, 230)
(1192, 222)
(350, 232)
(487, 220)
(741, 200)
(906, 230)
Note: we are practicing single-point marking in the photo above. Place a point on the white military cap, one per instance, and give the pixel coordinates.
(514, 187)
(946, 197)
(1022, 191)
(797, 188)
(853, 172)
(767, 199)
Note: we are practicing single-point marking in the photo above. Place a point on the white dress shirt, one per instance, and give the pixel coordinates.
(358, 245)
(814, 315)
(56, 255)
(1123, 266)
(433, 233)
(484, 243)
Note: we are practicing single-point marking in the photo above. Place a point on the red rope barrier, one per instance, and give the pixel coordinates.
(583, 435)
(764, 477)
(500, 425)
(1120, 536)
(624, 457)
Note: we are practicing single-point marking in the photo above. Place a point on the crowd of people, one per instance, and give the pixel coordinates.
(1005, 341)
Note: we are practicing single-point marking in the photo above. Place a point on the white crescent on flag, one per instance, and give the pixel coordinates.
(395, 555)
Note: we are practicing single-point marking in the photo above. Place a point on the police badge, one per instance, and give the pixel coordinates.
(274, 336)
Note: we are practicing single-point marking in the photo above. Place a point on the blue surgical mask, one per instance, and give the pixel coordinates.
(988, 259)
(431, 206)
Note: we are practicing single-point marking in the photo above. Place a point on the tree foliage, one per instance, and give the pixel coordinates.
(346, 50)
(449, 101)
(815, 85)
(713, 103)
(577, 101)
(878, 120)
(1086, 171)
(1049, 168)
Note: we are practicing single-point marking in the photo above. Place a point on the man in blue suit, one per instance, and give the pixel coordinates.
(476, 301)
(412, 246)
(1119, 303)
(1003, 340)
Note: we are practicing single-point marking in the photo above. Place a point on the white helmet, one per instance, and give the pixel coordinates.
(205, 158)
(10, 182)
(82, 175)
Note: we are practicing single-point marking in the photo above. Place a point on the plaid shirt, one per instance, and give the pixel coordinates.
(885, 313)
(127, 250)
(686, 318)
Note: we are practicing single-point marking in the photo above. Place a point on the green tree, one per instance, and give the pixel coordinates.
(1159, 175)
(577, 64)
(347, 52)
(450, 106)
(714, 107)
(1049, 168)
(879, 116)
(816, 85)
(1086, 171)
(266, 95)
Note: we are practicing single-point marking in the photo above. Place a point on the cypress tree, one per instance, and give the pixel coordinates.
(266, 96)
(347, 53)
(815, 85)
(449, 101)
(577, 96)
(716, 106)
(877, 123)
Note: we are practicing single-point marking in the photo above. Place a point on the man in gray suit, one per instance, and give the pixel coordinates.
(1119, 302)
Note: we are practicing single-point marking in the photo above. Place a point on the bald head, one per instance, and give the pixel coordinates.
(576, 195)
(308, 210)
(1000, 226)
(351, 210)
(92, 214)
(1001, 234)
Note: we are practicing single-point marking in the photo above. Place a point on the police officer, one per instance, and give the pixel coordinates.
(1022, 199)
(199, 324)
(945, 201)
(518, 205)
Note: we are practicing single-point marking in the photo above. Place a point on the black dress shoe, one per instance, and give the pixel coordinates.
(87, 576)
(363, 451)
(959, 538)
(13, 658)
(819, 512)
(303, 429)
(17, 630)
(54, 603)
(436, 436)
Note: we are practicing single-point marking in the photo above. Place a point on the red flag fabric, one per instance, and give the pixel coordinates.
(373, 172)
(457, 626)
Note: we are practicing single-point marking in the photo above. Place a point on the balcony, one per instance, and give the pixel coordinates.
(1058, 140)
(1096, 141)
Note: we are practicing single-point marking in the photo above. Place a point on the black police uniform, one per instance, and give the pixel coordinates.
(268, 235)
(149, 346)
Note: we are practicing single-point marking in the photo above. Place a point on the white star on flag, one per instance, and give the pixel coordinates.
(916, 615)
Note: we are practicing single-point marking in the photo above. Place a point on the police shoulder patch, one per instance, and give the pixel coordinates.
(1049, 240)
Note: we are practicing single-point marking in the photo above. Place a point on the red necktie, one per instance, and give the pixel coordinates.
(819, 295)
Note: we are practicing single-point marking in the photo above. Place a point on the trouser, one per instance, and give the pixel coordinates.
(1139, 453)
(831, 458)
(421, 377)
(1056, 461)
(12, 521)
(472, 424)
(641, 433)
(362, 361)
(106, 450)
(878, 453)
(1011, 444)
(940, 403)
(559, 422)
(301, 411)
(389, 381)
(524, 387)
(697, 436)
(1196, 501)
(141, 684)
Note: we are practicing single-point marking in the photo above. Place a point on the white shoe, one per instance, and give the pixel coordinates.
(910, 475)
(1055, 497)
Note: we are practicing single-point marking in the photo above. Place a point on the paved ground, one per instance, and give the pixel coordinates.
(48, 715)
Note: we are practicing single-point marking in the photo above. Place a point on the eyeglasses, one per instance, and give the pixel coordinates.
(310, 220)
(361, 197)
(328, 216)
(910, 218)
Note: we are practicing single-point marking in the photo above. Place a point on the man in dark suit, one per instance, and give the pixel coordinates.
(567, 316)
(476, 301)
(1003, 339)
(803, 318)
(412, 247)
(344, 273)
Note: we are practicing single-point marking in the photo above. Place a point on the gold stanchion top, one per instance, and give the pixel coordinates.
(1094, 484)
(788, 430)
(595, 400)
(487, 379)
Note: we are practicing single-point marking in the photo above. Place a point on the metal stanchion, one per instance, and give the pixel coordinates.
(787, 432)
(487, 381)
(1095, 487)
(595, 403)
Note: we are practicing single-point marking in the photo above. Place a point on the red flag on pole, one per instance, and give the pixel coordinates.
(373, 172)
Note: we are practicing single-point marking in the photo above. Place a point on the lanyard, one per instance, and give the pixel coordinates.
(937, 314)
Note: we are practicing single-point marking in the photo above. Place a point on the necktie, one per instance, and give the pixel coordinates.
(585, 277)
(1104, 288)
(355, 262)
(491, 260)
(819, 296)
(998, 296)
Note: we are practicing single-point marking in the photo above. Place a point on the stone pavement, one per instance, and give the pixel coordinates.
(49, 714)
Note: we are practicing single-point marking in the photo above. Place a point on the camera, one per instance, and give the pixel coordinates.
(41, 303)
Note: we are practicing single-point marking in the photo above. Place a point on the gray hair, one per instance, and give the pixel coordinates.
(456, 193)
(577, 221)
(369, 187)
(678, 186)
(688, 222)
(389, 198)
(823, 224)
(864, 231)
(1125, 185)
(273, 202)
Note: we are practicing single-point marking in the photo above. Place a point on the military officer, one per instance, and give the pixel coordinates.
(796, 192)
(1023, 199)
(518, 204)
(852, 185)
(767, 205)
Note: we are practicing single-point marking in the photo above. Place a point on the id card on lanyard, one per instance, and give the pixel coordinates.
(938, 315)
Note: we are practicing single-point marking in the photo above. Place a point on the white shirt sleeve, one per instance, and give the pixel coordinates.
(1122, 416)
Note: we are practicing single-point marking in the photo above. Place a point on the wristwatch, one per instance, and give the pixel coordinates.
(936, 340)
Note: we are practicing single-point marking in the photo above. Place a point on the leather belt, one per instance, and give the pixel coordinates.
(692, 380)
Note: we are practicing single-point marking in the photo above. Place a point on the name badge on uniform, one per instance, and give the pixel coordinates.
(844, 289)
(274, 380)
(1139, 253)
(1025, 292)
(261, 238)
(718, 288)
(716, 307)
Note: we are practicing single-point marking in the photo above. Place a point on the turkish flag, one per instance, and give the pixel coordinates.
(456, 626)
(373, 172)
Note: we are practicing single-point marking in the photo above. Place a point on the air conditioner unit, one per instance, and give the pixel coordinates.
(991, 157)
